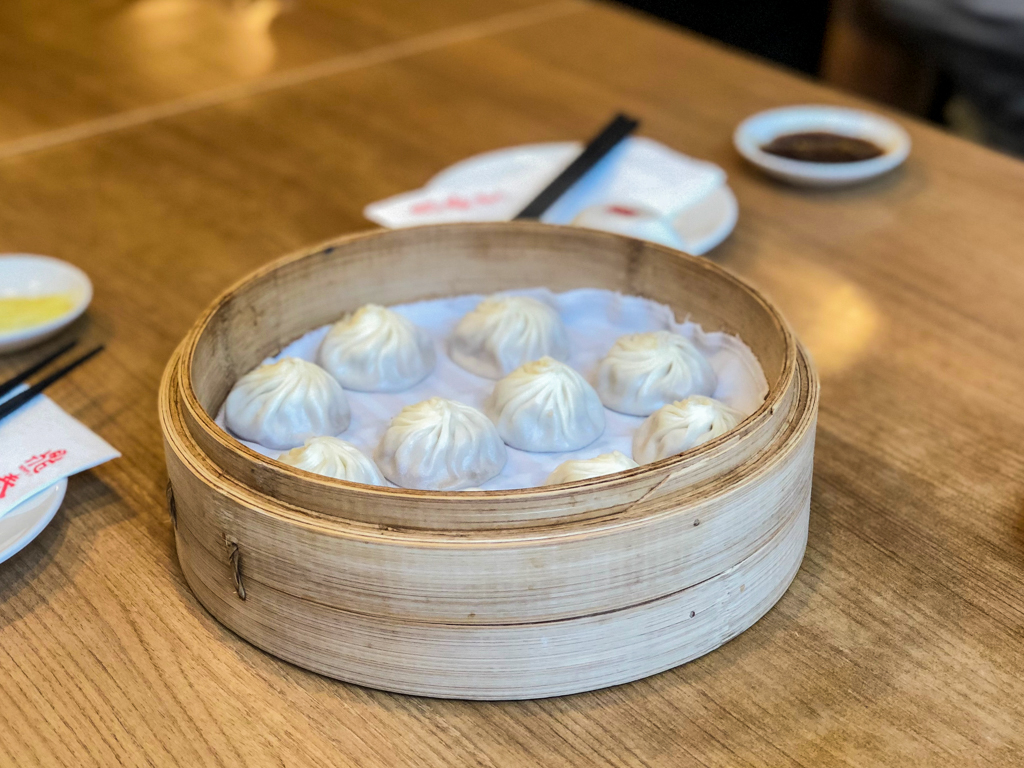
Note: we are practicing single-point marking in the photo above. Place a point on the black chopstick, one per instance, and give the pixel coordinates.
(599, 146)
(10, 406)
(15, 380)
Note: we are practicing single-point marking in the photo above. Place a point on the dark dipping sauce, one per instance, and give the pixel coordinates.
(822, 147)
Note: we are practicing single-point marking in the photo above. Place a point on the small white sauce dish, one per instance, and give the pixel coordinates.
(24, 275)
(761, 129)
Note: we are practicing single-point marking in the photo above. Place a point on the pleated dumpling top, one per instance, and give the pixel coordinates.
(546, 406)
(335, 458)
(503, 332)
(583, 469)
(440, 445)
(375, 349)
(280, 405)
(683, 425)
(644, 371)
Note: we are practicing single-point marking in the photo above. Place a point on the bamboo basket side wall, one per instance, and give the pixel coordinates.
(502, 662)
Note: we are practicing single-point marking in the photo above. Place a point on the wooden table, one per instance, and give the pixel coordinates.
(170, 146)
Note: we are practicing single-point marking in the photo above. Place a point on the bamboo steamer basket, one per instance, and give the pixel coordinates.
(285, 299)
(488, 595)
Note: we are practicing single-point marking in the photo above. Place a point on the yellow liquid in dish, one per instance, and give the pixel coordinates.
(20, 312)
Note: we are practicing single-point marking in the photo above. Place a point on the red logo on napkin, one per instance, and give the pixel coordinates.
(456, 202)
(32, 466)
(38, 463)
(6, 483)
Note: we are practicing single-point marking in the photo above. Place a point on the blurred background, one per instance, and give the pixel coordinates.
(959, 63)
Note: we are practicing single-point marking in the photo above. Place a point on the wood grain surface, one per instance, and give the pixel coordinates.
(901, 641)
(88, 65)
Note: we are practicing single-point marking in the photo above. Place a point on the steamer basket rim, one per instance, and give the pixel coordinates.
(561, 491)
(805, 412)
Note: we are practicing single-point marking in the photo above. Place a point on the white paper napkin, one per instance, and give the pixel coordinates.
(637, 189)
(39, 445)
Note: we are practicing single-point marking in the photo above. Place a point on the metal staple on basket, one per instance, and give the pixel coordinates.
(172, 508)
(235, 561)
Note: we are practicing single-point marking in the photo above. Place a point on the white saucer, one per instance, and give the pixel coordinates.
(24, 274)
(760, 129)
(708, 222)
(27, 520)
(696, 229)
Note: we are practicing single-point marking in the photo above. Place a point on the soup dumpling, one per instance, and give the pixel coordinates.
(281, 405)
(440, 445)
(644, 371)
(546, 406)
(335, 458)
(503, 332)
(583, 469)
(680, 426)
(376, 349)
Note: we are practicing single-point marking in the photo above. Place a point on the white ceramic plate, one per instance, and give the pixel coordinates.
(27, 520)
(760, 129)
(699, 227)
(24, 274)
(708, 222)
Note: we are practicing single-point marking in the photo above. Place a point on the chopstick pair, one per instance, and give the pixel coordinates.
(10, 406)
(604, 142)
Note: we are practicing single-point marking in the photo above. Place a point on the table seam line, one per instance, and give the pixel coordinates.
(336, 65)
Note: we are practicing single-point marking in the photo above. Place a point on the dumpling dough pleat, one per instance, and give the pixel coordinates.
(282, 404)
(584, 469)
(440, 445)
(680, 426)
(503, 332)
(335, 458)
(377, 350)
(644, 371)
(546, 406)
